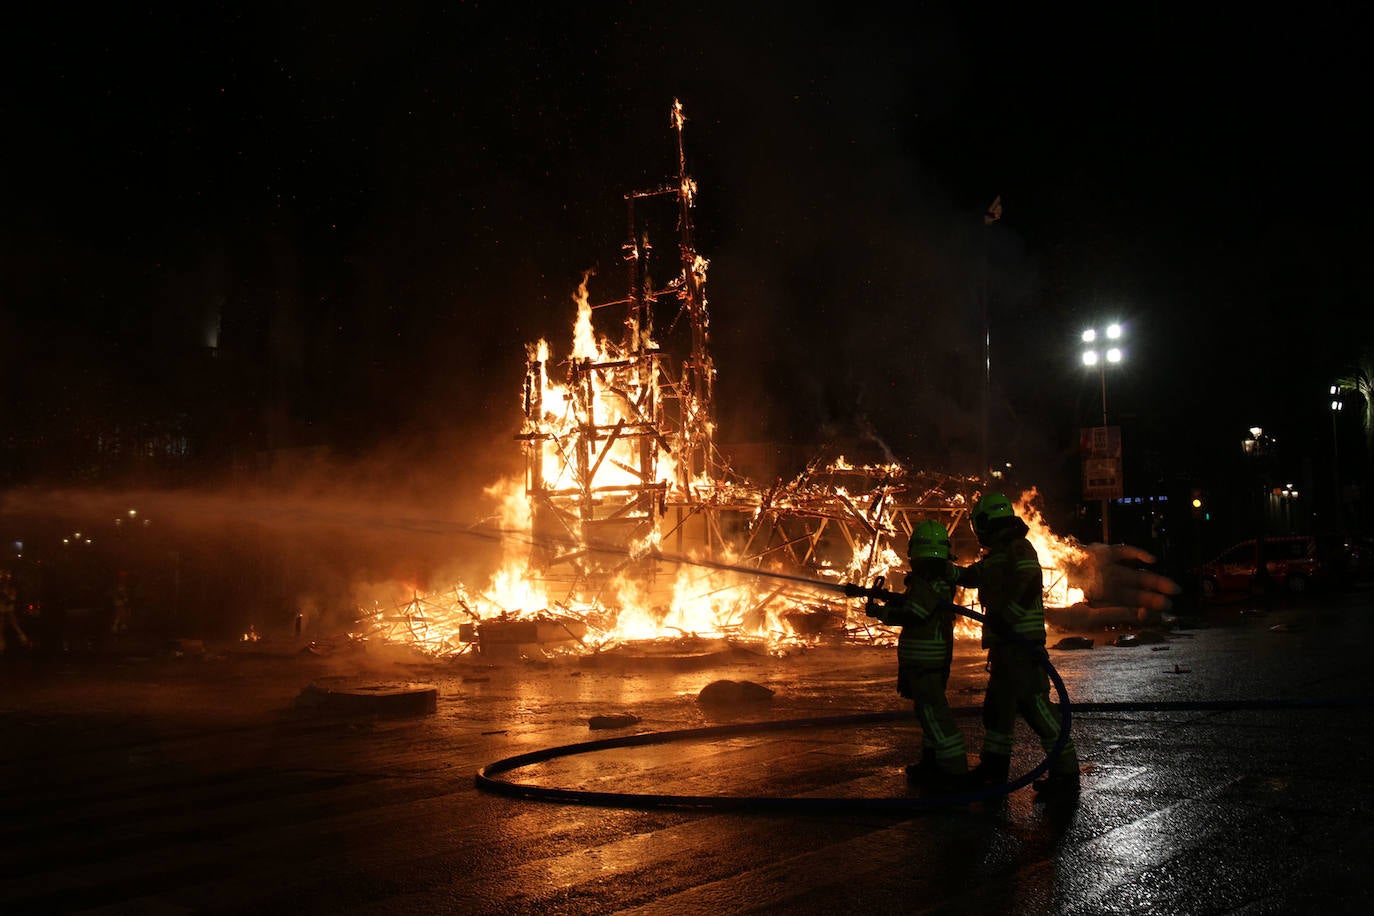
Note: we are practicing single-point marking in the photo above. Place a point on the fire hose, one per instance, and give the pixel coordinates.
(490, 779)
(487, 777)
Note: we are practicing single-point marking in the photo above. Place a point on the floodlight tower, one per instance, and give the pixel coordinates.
(1100, 349)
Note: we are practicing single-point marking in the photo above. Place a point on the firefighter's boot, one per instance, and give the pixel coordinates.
(923, 771)
(992, 770)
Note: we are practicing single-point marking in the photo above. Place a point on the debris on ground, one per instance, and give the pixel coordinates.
(1159, 648)
(1181, 670)
(676, 654)
(1073, 642)
(615, 720)
(346, 696)
(515, 637)
(339, 643)
(1141, 638)
(728, 693)
(815, 621)
(1286, 628)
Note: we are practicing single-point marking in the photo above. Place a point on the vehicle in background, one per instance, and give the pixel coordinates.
(1294, 563)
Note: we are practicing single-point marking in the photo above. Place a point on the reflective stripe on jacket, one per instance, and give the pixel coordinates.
(927, 622)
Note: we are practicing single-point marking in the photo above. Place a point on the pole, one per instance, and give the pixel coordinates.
(1260, 586)
(1106, 502)
(984, 458)
(1336, 472)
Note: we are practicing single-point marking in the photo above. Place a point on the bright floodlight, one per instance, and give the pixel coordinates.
(1336, 405)
(1114, 355)
(1090, 357)
(1113, 330)
(1333, 389)
(1089, 335)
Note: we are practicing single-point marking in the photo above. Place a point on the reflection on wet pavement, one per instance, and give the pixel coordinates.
(199, 785)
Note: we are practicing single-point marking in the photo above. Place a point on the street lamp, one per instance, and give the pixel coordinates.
(1259, 448)
(1336, 405)
(1100, 349)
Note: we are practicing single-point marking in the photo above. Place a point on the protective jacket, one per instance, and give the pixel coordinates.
(926, 617)
(1010, 586)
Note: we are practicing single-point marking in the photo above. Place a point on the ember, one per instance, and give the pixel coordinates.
(627, 510)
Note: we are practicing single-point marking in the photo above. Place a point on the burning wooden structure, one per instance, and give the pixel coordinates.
(621, 453)
(623, 481)
(618, 451)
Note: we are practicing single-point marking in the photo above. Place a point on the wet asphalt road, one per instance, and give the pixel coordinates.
(139, 783)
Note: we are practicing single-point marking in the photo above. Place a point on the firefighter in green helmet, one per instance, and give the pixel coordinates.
(925, 648)
(1010, 588)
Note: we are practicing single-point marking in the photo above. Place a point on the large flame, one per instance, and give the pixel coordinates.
(645, 598)
(629, 605)
(1057, 554)
(699, 601)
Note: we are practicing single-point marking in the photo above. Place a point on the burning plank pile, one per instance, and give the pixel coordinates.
(627, 513)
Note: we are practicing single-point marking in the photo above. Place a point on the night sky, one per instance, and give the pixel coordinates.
(387, 205)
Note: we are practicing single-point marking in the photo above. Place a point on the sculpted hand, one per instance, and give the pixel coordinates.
(1113, 574)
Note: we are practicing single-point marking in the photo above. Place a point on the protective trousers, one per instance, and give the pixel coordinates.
(1017, 685)
(940, 736)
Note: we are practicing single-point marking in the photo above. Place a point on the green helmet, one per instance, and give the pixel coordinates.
(929, 540)
(990, 507)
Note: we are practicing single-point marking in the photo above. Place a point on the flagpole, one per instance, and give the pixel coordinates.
(993, 214)
(983, 457)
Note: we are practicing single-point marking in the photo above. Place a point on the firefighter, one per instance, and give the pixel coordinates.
(925, 649)
(1010, 589)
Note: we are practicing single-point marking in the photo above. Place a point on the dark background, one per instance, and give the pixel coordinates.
(368, 212)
